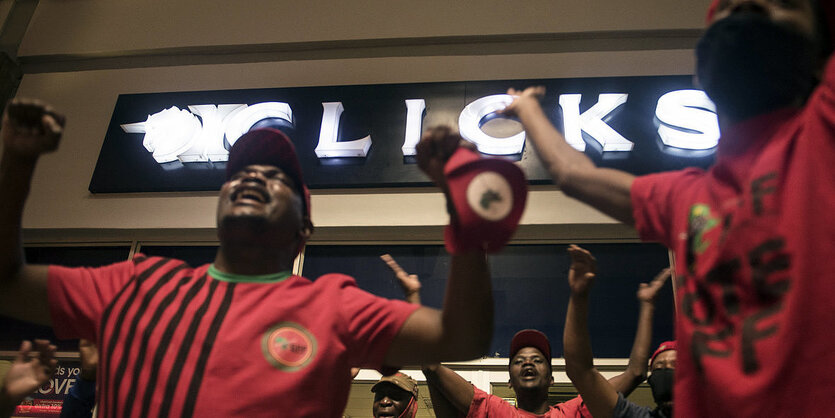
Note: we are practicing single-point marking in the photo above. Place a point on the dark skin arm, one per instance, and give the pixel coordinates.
(599, 396)
(30, 129)
(636, 370)
(455, 391)
(463, 329)
(575, 174)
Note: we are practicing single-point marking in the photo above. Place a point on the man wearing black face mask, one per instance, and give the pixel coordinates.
(753, 235)
(662, 365)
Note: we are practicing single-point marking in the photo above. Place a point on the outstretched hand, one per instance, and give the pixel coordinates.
(582, 271)
(27, 374)
(30, 128)
(409, 282)
(648, 291)
(534, 93)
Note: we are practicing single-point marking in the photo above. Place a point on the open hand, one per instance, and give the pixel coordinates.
(409, 282)
(582, 271)
(648, 291)
(534, 93)
(27, 374)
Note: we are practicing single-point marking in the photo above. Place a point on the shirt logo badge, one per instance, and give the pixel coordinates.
(700, 223)
(288, 346)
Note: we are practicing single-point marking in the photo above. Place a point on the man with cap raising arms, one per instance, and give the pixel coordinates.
(752, 235)
(241, 336)
(531, 376)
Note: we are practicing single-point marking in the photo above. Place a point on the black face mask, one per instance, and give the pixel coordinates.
(661, 383)
(749, 65)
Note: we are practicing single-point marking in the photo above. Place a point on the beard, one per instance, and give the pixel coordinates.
(243, 227)
(749, 65)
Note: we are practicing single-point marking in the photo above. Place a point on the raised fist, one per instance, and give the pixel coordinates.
(30, 128)
(435, 148)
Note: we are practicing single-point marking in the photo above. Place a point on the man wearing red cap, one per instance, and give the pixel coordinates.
(531, 376)
(241, 336)
(752, 235)
(602, 398)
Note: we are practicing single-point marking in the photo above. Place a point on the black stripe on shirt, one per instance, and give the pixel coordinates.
(139, 364)
(165, 341)
(206, 349)
(108, 348)
(182, 353)
(127, 345)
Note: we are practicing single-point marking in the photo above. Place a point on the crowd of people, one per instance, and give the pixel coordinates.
(243, 336)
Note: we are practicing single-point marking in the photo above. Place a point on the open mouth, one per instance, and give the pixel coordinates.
(249, 194)
(528, 373)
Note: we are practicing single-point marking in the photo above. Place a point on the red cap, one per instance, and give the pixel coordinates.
(530, 338)
(268, 146)
(711, 11)
(665, 346)
(489, 196)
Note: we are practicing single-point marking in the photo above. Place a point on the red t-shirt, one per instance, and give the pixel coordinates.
(754, 242)
(175, 341)
(486, 405)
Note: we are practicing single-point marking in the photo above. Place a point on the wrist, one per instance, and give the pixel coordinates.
(580, 296)
(6, 400)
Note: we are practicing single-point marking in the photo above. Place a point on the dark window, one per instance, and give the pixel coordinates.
(12, 331)
(530, 288)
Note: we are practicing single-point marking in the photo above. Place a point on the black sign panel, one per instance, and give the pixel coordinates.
(125, 165)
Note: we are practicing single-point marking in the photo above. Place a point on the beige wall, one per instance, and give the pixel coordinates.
(86, 26)
(60, 200)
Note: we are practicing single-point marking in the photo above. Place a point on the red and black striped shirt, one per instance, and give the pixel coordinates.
(178, 341)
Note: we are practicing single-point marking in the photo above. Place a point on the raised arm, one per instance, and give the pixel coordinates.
(452, 394)
(464, 328)
(636, 371)
(575, 174)
(599, 396)
(30, 129)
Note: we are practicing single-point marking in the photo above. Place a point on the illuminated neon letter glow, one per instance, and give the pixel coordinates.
(469, 124)
(328, 146)
(592, 121)
(688, 120)
(414, 122)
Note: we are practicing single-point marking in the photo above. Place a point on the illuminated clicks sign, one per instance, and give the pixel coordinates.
(365, 136)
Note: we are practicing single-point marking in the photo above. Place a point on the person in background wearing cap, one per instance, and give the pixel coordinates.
(241, 336)
(601, 398)
(530, 371)
(752, 235)
(395, 396)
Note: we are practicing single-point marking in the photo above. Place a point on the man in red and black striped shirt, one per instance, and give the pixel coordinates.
(241, 336)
